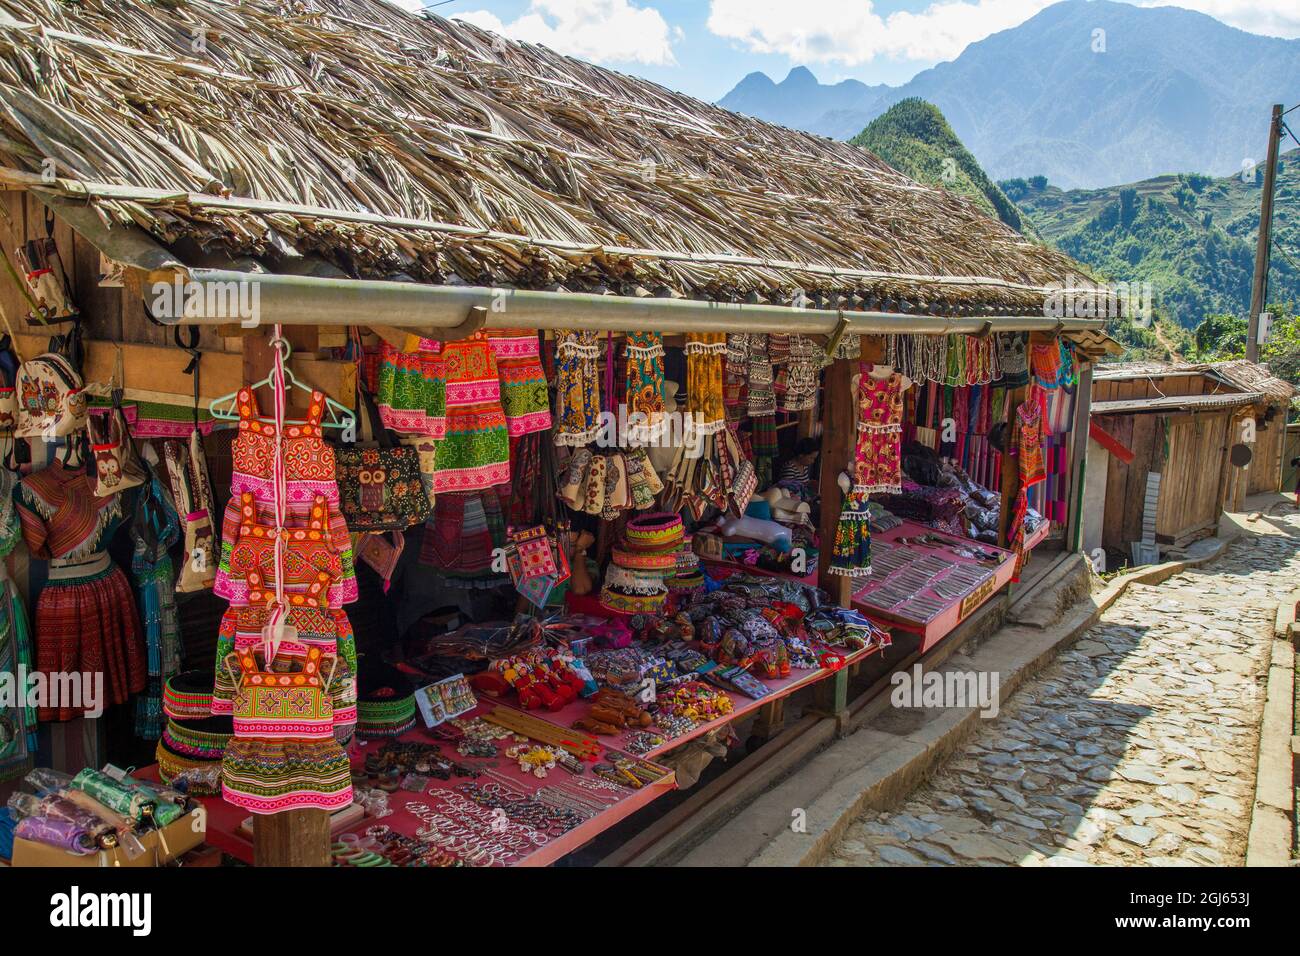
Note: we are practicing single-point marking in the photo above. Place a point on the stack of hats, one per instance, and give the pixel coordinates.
(193, 740)
(688, 580)
(385, 702)
(636, 581)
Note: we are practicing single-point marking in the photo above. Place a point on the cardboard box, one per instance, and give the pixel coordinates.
(178, 837)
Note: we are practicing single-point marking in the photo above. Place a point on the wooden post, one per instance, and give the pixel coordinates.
(295, 837)
(1078, 459)
(839, 438)
(1264, 239)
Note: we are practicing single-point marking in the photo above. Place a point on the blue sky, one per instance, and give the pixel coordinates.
(704, 47)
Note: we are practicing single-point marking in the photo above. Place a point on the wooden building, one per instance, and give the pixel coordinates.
(1175, 445)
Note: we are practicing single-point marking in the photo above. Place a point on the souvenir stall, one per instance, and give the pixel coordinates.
(424, 475)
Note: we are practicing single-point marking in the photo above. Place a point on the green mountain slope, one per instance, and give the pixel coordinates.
(914, 138)
(1191, 236)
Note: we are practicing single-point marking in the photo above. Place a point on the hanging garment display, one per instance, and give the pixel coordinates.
(877, 463)
(524, 395)
(577, 388)
(17, 719)
(411, 391)
(760, 388)
(852, 553)
(284, 755)
(475, 455)
(86, 619)
(735, 376)
(187, 472)
(461, 536)
(704, 409)
(646, 400)
(154, 530)
(803, 372)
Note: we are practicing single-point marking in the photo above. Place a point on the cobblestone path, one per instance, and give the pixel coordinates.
(1137, 746)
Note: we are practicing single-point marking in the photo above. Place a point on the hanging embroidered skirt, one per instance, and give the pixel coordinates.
(524, 395)
(577, 388)
(645, 386)
(476, 452)
(704, 405)
(271, 776)
(803, 374)
(412, 392)
(86, 622)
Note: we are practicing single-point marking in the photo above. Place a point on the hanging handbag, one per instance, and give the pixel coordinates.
(380, 554)
(117, 466)
(379, 482)
(51, 402)
(46, 289)
(192, 497)
(537, 563)
(9, 363)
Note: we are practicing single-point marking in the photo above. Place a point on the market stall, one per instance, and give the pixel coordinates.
(451, 494)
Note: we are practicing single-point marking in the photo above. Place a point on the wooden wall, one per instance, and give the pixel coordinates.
(1266, 465)
(1191, 483)
(1126, 483)
(1110, 390)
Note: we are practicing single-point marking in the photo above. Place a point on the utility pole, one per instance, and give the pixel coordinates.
(1263, 246)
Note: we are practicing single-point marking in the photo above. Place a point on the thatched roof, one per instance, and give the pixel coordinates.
(389, 143)
(1238, 375)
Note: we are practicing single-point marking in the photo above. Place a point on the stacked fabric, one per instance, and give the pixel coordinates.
(687, 581)
(385, 703)
(193, 739)
(636, 581)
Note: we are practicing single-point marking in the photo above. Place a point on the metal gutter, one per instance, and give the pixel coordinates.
(311, 300)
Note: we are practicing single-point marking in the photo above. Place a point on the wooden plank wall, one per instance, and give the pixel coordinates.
(1126, 483)
(1266, 466)
(1111, 390)
(1189, 490)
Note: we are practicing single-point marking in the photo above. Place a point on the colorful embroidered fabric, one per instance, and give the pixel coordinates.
(852, 553)
(1030, 422)
(343, 589)
(476, 452)
(284, 755)
(18, 744)
(645, 386)
(461, 536)
(308, 460)
(735, 376)
(577, 388)
(802, 374)
(877, 464)
(154, 530)
(760, 387)
(704, 407)
(524, 395)
(1013, 358)
(411, 391)
(86, 617)
(311, 563)
(325, 628)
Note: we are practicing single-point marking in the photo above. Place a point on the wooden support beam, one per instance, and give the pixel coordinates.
(839, 433)
(1079, 458)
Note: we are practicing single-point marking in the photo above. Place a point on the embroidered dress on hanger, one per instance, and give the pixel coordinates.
(524, 395)
(309, 477)
(852, 554)
(577, 388)
(877, 464)
(476, 452)
(284, 755)
(704, 406)
(645, 386)
(17, 720)
(86, 618)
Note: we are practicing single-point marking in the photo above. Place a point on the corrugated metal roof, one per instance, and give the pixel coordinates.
(1174, 403)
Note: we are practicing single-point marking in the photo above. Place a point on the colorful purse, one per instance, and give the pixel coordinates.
(51, 403)
(379, 483)
(380, 554)
(117, 466)
(537, 563)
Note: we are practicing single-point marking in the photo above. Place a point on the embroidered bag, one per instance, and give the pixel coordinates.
(51, 403)
(117, 466)
(379, 484)
(380, 553)
(188, 481)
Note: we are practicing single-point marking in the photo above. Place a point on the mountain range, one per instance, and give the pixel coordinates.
(1088, 93)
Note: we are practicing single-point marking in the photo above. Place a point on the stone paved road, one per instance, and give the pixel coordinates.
(1135, 747)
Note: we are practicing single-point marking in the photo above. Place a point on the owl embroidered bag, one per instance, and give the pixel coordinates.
(117, 467)
(51, 403)
(379, 483)
(187, 473)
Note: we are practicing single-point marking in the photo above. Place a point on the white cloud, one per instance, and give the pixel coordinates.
(851, 33)
(602, 31)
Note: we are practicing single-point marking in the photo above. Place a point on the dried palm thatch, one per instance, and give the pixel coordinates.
(394, 144)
